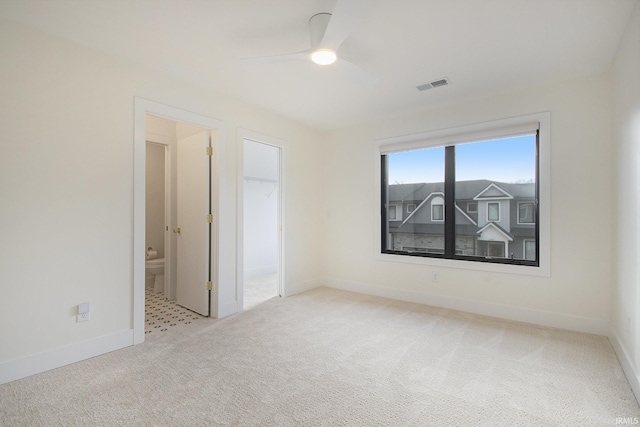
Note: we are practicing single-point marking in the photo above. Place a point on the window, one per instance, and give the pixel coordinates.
(530, 249)
(526, 213)
(494, 176)
(495, 249)
(411, 207)
(493, 212)
(393, 213)
(437, 209)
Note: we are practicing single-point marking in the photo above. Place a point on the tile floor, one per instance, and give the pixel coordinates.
(161, 314)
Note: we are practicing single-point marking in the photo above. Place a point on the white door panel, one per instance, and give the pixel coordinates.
(194, 237)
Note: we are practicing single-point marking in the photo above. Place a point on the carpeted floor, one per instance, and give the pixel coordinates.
(334, 358)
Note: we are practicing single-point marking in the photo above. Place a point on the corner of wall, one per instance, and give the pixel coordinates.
(626, 362)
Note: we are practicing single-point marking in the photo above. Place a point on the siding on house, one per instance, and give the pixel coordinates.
(475, 233)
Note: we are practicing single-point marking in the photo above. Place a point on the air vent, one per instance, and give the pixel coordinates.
(434, 84)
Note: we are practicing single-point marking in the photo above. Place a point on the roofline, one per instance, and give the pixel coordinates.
(493, 184)
(497, 227)
(420, 205)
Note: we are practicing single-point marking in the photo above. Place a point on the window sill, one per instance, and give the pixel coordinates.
(523, 270)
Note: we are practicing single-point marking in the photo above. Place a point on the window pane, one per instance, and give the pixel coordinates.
(437, 212)
(416, 178)
(493, 212)
(393, 212)
(497, 180)
(525, 213)
(530, 249)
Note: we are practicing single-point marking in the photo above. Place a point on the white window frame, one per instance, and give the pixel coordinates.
(471, 133)
(533, 213)
(411, 207)
(488, 212)
(395, 210)
(433, 205)
(469, 209)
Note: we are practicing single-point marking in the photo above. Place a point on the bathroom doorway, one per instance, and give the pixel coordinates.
(178, 203)
(221, 291)
(262, 222)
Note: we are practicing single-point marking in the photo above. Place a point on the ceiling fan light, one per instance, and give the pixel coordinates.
(323, 56)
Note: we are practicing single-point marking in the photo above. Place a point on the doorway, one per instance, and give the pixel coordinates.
(210, 133)
(262, 222)
(178, 199)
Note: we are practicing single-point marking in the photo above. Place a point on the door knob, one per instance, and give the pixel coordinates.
(176, 230)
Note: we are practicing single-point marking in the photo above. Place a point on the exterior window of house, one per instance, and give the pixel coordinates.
(493, 212)
(525, 213)
(530, 249)
(411, 207)
(393, 212)
(437, 209)
(495, 249)
(493, 177)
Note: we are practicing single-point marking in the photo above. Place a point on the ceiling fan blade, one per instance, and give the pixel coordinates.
(355, 73)
(344, 19)
(272, 59)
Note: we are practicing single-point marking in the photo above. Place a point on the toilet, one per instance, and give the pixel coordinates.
(154, 274)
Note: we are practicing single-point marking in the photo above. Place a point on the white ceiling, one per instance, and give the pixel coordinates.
(484, 47)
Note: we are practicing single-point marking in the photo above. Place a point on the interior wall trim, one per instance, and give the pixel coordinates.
(518, 314)
(23, 367)
(626, 362)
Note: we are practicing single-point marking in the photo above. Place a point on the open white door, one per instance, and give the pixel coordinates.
(194, 226)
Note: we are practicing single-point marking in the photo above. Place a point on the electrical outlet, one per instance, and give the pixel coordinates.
(82, 317)
(435, 276)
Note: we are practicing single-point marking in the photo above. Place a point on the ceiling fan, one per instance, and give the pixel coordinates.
(327, 32)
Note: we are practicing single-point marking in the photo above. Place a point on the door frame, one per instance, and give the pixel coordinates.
(142, 107)
(160, 140)
(273, 142)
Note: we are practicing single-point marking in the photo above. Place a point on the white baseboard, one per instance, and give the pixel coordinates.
(298, 288)
(626, 362)
(520, 314)
(30, 365)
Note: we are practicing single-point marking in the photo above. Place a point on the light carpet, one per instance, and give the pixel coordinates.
(335, 358)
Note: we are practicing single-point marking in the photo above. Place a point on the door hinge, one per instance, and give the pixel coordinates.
(210, 218)
(209, 151)
(209, 285)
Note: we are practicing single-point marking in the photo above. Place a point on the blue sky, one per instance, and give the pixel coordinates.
(504, 160)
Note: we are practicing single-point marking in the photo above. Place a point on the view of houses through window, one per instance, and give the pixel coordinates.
(483, 203)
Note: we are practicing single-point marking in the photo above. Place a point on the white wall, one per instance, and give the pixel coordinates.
(154, 203)
(66, 185)
(625, 114)
(577, 293)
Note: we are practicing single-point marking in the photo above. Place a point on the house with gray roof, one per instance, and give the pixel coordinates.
(493, 219)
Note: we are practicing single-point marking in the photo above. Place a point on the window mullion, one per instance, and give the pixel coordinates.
(449, 202)
(384, 170)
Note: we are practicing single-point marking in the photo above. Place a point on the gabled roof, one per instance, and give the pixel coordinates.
(465, 190)
(460, 212)
(493, 225)
(493, 192)
(438, 193)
